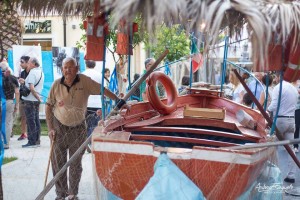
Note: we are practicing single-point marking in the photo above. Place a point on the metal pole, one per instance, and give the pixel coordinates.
(129, 56)
(191, 63)
(261, 145)
(65, 31)
(224, 64)
(102, 82)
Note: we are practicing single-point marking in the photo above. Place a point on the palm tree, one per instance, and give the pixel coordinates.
(10, 27)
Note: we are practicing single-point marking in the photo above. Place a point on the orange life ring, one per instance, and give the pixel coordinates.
(292, 71)
(153, 97)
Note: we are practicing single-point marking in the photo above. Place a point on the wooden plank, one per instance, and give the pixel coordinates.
(115, 135)
(196, 131)
(199, 122)
(207, 113)
(205, 91)
(181, 139)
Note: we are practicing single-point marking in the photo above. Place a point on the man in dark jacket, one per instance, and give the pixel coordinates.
(24, 65)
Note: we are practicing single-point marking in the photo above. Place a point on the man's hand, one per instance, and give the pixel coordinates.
(99, 112)
(51, 134)
(21, 81)
(120, 103)
(16, 108)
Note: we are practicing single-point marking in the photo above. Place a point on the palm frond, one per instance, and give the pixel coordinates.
(264, 18)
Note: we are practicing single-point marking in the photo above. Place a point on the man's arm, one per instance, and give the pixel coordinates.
(34, 93)
(119, 101)
(17, 95)
(273, 105)
(110, 95)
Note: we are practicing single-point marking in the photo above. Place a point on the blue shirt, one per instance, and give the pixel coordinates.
(256, 89)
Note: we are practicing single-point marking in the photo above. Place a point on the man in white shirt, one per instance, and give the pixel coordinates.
(94, 102)
(285, 120)
(34, 81)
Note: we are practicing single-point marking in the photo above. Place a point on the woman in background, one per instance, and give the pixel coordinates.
(266, 78)
(106, 77)
(238, 90)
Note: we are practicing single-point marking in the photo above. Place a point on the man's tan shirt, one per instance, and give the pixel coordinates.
(70, 103)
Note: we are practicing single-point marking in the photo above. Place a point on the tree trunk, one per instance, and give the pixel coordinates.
(10, 28)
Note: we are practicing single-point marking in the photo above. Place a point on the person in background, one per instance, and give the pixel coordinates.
(11, 91)
(266, 78)
(34, 81)
(247, 101)
(185, 82)
(136, 94)
(61, 55)
(238, 90)
(276, 79)
(24, 65)
(285, 119)
(9, 70)
(256, 87)
(148, 63)
(297, 118)
(94, 102)
(65, 115)
(106, 77)
(245, 77)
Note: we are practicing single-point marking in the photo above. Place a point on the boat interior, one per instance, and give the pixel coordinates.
(177, 130)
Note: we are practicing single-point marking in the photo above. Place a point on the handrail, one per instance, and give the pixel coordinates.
(244, 70)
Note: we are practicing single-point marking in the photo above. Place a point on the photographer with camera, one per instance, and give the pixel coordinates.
(30, 90)
(24, 65)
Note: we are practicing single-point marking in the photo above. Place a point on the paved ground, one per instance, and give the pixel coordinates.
(24, 178)
(282, 162)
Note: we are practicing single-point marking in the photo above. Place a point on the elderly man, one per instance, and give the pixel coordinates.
(65, 114)
(11, 91)
(34, 81)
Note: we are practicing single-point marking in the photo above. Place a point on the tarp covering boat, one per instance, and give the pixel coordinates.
(169, 182)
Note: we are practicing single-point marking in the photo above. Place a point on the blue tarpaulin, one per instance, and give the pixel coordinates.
(3, 118)
(169, 182)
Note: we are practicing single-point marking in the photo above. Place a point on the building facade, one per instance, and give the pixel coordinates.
(53, 31)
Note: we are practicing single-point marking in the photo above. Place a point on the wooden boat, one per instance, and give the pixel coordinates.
(127, 147)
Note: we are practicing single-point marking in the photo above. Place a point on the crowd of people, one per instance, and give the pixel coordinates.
(73, 109)
(267, 91)
(31, 80)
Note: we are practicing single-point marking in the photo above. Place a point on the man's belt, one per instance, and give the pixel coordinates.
(279, 116)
